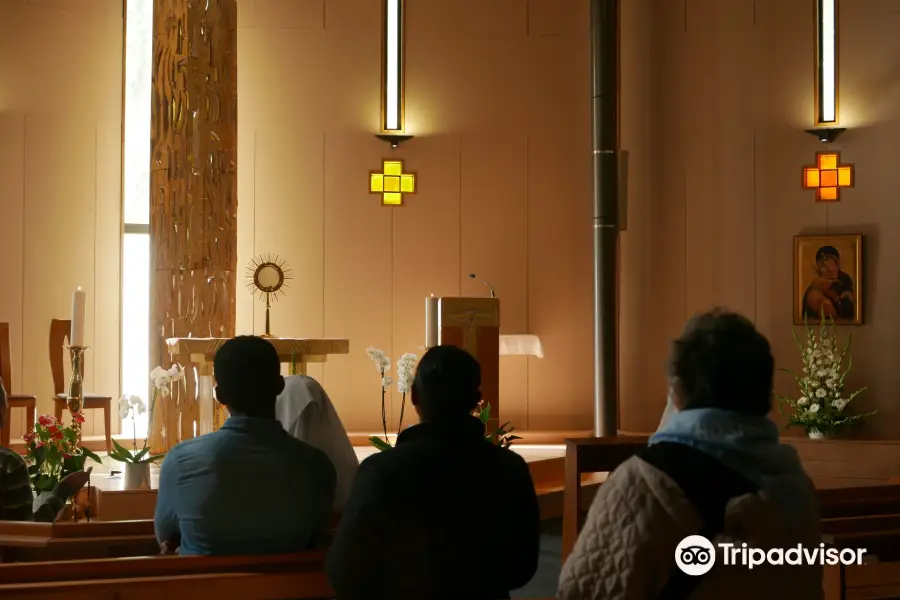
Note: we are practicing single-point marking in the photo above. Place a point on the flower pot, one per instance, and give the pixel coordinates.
(137, 476)
(815, 434)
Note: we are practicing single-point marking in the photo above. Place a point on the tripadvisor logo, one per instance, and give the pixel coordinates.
(696, 555)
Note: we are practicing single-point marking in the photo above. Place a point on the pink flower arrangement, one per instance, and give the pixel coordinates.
(54, 451)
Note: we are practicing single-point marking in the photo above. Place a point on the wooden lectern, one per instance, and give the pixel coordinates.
(474, 325)
(196, 414)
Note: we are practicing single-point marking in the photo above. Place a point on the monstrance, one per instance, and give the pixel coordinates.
(266, 276)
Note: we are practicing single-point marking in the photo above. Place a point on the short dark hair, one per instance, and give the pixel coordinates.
(447, 383)
(722, 361)
(248, 375)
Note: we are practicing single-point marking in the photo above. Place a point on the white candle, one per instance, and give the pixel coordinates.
(431, 321)
(76, 335)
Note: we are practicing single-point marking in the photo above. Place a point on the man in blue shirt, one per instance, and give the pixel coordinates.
(250, 487)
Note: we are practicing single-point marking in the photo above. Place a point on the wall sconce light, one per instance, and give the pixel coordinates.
(828, 176)
(392, 183)
(393, 81)
(826, 72)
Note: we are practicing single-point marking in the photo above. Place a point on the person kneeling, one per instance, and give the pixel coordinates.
(250, 487)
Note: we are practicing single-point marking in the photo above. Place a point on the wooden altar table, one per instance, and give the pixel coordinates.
(185, 415)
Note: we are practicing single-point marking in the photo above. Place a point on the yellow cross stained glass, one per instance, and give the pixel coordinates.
(827, 177)
(392, 183)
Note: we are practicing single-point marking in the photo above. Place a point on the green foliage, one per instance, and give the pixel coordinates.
(380, 444)
(122, 454)
(54, 453)
(503, 435)
(823, 404)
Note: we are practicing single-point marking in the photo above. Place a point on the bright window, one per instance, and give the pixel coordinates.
(136, 207)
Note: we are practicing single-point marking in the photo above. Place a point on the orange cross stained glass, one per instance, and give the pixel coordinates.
(392, 183)
(827, 177)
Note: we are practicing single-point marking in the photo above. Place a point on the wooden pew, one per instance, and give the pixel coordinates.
(880, 536)
(246, 586)
(847, 489)
(590, 455)
(20, 541)
(174, 577)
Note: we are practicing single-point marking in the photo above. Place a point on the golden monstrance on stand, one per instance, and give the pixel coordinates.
(266, 276)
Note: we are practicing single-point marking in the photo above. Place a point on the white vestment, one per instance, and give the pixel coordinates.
(306, 412)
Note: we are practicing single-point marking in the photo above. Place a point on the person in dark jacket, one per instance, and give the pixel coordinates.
(444, 514)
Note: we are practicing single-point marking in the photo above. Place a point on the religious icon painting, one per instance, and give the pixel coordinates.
(828, 279)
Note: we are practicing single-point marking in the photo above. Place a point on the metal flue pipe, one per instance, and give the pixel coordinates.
(605, 126)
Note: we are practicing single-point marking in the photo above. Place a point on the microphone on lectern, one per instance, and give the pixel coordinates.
(490, 287)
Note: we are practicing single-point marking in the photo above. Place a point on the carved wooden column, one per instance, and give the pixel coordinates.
(193, 200)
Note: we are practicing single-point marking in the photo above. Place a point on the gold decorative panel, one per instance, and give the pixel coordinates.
(392, 183)
(193, 200)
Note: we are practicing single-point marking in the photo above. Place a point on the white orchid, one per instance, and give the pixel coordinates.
(404, 372)
(162, 379)
(131, 406)
(381, 360)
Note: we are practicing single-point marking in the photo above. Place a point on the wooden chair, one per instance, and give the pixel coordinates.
(59, 332)
(29, 403)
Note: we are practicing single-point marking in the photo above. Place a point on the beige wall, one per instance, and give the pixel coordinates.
(498, 98)
(60, 165)
(716, 96)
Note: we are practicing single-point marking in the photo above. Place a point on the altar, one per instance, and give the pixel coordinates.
(190, 410)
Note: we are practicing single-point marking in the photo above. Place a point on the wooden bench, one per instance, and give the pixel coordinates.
(173, 577)
(585, 456)
(20, 541)
(880, 537)
(859, 502)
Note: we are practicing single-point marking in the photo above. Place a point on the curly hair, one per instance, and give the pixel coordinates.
(722, 361)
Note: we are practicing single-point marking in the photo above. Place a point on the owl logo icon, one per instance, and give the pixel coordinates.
(695, 555)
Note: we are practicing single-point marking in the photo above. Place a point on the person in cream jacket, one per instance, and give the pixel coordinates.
(715, 467)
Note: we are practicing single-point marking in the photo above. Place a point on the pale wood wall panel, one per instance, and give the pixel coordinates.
(425, 245)
(734, 134)
(473, 74)
(495, 245)
(358, 276)
(290, 177)
(560, 276)
(870, 105)
(699, 115)
(107, 262)
(277, 14)
(12, 245)
(667, 310)
(60, 86)
(637, 286)
(734, 92)
(59, 251)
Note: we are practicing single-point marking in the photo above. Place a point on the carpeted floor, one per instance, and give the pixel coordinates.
(543, 585)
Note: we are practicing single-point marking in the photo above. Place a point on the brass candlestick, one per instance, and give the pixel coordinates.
(75, 396)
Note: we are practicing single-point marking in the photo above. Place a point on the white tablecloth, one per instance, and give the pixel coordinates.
(522, 345)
